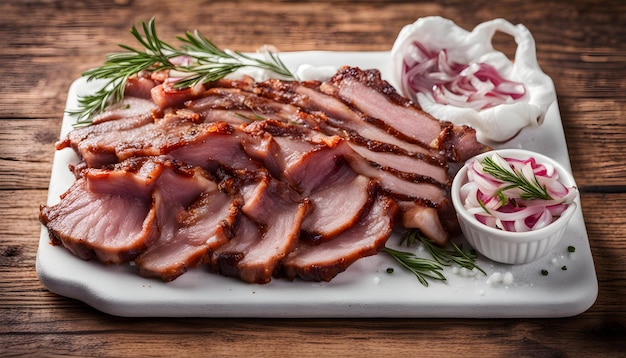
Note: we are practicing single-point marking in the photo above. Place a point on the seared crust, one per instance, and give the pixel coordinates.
(292, 179)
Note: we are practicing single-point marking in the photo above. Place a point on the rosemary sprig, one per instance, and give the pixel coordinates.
(118, 67)
(424, 268)
(213, 63)
(253, 117)
(465, 259)
(208, 63)
(531, 189)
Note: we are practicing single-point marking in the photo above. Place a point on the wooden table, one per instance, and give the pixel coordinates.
(45, 45)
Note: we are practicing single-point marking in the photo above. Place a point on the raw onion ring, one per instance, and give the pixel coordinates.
(499, 204)
(475, 85)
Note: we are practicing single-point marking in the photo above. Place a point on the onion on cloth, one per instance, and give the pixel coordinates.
(457, 76)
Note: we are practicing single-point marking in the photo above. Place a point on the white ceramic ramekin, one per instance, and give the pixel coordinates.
(512, 247)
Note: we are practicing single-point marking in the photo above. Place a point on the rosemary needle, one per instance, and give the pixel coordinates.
(207, 63)
(464, 259)
(424, 268)
(118, 67)
(531, 189)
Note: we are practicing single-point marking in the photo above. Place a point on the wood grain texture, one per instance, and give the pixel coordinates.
(46, 44)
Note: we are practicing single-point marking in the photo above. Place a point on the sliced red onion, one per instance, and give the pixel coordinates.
(476, 85)
(481, 199)
(182, 60)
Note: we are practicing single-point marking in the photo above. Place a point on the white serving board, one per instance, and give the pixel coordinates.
(364, 290)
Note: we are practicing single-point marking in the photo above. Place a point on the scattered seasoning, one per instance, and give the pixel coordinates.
(571, 249)
(564, 268)
(389, 269)
(544, 272)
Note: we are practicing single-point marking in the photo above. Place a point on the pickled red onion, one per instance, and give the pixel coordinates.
(499, 204)
(476, 85)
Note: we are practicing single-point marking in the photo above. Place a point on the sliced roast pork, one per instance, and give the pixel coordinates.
(210, 145)
(380, 102)
(257, 179)
(423, 189)
(295, 154)
(337, 206)
(187, 233)
(312, 163)
(367, 92)
(165, 95)
(334, 117)
(325, 261)
(107, 215)
(175, 190)
(140, 86)
(244, 104)
(96, 144)
(133, 177)
(407, 169)
(425, 218)
(117, 139)
(278, 212)
(226, 258)
(410, 167)
(176, 135)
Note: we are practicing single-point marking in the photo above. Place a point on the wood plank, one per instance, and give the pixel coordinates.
(26, 152)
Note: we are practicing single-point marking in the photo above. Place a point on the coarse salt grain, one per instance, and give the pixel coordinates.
(506, 279)
(495, 278)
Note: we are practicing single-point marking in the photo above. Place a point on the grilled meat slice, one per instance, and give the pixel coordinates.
(188, 234)
(294, 154)
(337, 206)
(89, 220)
(325, 261)
(277, 212)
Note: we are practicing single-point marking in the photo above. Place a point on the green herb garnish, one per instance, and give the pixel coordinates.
(425, 268)
(255, 117)
(465, 259)
(422, 268)
(212, 64)
(531, 189)
(207, 63)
